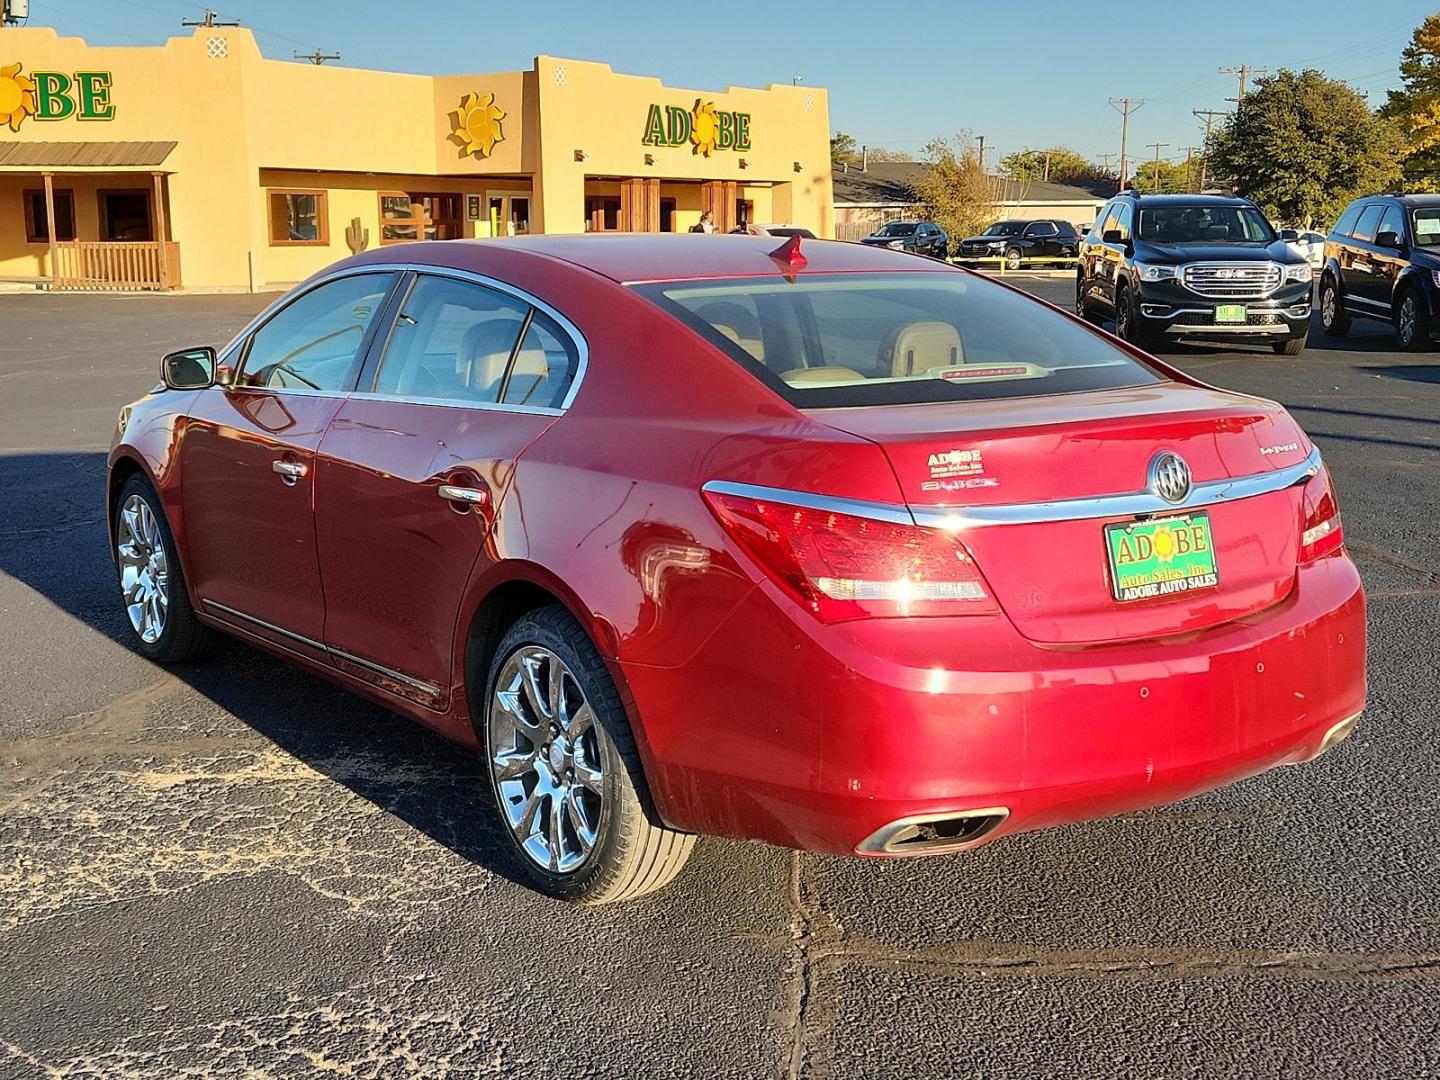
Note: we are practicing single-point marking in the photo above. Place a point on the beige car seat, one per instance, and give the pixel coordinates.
(737, 323)
(484, 351)
(915, 348)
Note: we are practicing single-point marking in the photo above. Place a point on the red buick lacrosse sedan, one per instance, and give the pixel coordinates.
(822, 545)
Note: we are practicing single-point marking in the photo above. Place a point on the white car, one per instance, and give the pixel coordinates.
(1309, 244)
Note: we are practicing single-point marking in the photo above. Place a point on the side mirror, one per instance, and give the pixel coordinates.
(1388, 239)
(189, 369)
(1112, 236)
(1289, 235)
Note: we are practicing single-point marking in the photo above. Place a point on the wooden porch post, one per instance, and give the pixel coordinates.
(159, 216)
(50, 226)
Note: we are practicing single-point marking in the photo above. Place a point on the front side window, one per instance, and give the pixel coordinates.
(1004, 228)
(1122, 220)
(37, 223)
(298, 217)
(313, 343)
(1201, 224)
(842, 340)
(1393, 221)
(897, 228)
(452, 341)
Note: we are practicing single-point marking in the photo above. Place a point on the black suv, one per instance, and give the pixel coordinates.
(1382, 261)
(1195, 266)
(1015, 241)
(920, 237)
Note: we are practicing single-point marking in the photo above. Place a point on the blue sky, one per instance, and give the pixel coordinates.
(1022, 72)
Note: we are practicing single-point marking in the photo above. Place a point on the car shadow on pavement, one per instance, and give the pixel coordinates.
(57, 545)
(1422, 373)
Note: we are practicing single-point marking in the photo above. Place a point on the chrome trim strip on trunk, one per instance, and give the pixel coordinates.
(379, 669)
(1129, 504)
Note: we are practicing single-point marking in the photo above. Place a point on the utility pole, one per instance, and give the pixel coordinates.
(317, 57)
(1208, 115)
(208, 21)
(1243, 73)
(14, 12)
(1125, 106)
(1105, 161)
(1156, 147)
(1047, 167)
(982, 152)
(1189, 157)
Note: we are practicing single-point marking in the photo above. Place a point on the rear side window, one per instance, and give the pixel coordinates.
(452, 341)
(1348, 219)
(1367, 226)
(544, 366)
(833, 340)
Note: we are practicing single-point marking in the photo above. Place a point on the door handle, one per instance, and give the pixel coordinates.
(462, 497)
(290, 471)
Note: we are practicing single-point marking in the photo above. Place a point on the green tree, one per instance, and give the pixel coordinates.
(843, 150)
(1058, 164)
(955, 191)
(1302, 146)
(1416, 107)
(1169, 177)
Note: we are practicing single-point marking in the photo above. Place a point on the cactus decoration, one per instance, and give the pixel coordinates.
(357, 236)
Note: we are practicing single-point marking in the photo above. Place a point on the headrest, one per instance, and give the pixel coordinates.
(919, 346)
(485, 350)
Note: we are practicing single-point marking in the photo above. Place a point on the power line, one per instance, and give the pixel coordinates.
(1125, 106)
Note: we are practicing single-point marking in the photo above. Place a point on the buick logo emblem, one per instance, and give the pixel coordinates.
(1170, 477)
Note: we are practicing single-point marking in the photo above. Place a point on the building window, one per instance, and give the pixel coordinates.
(37, 226)
(412, 216)
(125, 215)
(299, 217)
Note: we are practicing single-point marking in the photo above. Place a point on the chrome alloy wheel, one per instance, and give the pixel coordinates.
(144, 569)
(544, 749)
(1327, 306)
(1408, 318)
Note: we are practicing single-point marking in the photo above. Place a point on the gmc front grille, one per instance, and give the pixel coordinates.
(1233, 280)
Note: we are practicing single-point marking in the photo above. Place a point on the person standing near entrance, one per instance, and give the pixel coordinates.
(707, 223)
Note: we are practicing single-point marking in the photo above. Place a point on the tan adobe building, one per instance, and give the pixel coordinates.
(201, 163)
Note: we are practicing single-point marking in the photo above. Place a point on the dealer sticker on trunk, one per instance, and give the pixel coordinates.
(1161, 557)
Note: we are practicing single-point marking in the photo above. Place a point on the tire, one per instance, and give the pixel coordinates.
(1012, 259)
(1334, 319)
(1126, 325)
(1293, 347)
(1412, 322)
(1082, 306)
(148, 570)
(535, 777)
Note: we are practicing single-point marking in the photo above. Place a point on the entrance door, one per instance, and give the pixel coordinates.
(247, 461)
(509, 214)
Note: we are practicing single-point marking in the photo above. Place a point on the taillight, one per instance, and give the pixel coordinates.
(1320, 531)
(842, 566)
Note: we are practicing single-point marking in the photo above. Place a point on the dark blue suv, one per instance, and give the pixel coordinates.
(1382, 261)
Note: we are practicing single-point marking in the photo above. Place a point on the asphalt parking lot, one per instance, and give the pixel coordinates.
(235, 869)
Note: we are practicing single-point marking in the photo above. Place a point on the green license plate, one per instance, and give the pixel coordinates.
(1161, 557)
(1230, 313)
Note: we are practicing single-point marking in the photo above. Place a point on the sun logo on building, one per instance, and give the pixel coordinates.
(476, 125)
(17, 96)
(704, 127)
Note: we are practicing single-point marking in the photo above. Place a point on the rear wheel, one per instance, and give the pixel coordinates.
(1293, 347)
(152, 587)
(1334, 320)
(1082, 305)
(1412, 322)
(565, 771)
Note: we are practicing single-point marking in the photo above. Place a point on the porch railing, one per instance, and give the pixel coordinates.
(116, 266)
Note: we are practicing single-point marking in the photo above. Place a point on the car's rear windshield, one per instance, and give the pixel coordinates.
(895, 229)
(843, 340)
(1204, 225)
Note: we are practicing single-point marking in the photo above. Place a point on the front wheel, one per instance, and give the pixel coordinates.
(1013, 259)
(1293, 347)
(565, 771)
(1127, 323)
(1412, 322)
(152, 587)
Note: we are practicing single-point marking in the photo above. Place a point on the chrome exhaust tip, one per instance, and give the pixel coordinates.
(929, 834)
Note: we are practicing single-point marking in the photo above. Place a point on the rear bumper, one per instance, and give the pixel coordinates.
(818, 737)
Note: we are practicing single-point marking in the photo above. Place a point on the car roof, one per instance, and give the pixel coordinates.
(1417, 200)
(1187, 200)
(629, 257)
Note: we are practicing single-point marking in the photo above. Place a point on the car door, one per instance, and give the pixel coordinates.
(1388, 260)
(415, 463)
(1044, 239)
(247, 460)
(1359, 268)
(1091, 251)
(1114, 244)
